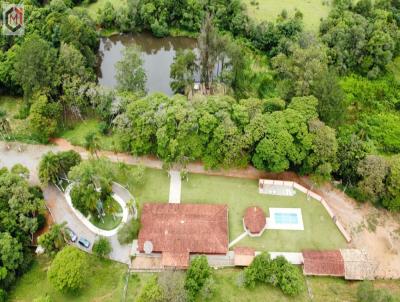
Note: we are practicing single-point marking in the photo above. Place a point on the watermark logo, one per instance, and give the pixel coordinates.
(13, 19)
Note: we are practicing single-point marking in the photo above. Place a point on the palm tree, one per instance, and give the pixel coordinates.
(112, 207)
(92, 143)
(131, 206)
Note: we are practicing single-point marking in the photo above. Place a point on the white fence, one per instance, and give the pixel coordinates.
(311, 194)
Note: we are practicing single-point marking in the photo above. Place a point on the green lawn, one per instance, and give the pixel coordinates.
(108, 222)
(322, 288)
(19, 127)
(268, 10)
(76, 135)
(319, 230)
(154, 186)
(106, 281)
(94, 7)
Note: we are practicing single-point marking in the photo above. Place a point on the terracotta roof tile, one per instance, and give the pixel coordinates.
(323, 263)
(185, 228)
(254, 220)
(179, 260)
(241, 250)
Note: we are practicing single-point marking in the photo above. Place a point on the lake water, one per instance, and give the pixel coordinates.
(157, 55)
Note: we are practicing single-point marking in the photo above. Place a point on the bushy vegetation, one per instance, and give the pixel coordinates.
(197, 275)
(54, 240)
(68, 271)
(91, 192)
(102, 247)
(277, 272)
(55, 167)
(20, 208)
(129, 231)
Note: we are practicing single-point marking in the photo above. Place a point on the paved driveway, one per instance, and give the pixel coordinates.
(29, 156)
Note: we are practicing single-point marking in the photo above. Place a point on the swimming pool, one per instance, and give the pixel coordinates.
(286, 218)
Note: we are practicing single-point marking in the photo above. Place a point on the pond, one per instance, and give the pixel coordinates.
(157, 54)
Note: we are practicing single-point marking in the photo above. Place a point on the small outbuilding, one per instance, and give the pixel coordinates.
(323, 263)
(244, 256)
(254, 220)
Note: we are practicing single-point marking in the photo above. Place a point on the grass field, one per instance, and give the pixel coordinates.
(108, 222)
(19, 127)
(268, 10)
(106, 281)
(94, 7)
(154, 187)
(76, 135)
(239, 194)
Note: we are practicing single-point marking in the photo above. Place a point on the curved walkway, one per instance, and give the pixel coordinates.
(120, 195)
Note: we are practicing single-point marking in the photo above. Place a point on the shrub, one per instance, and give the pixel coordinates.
(196, 276)
(68, 270)
(102, 247)
(151, 292)
(129, 231)
(278, 272)
(54, 239)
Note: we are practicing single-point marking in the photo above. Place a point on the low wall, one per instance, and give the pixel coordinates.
(311, 194)
(86, 221)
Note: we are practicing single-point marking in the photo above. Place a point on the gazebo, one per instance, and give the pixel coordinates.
(254, 221)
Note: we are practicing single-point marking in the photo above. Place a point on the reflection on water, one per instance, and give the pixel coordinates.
(157, 54)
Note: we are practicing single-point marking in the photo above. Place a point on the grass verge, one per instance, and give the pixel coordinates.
(268, 10)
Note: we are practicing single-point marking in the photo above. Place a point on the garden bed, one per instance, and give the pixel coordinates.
(108, 222)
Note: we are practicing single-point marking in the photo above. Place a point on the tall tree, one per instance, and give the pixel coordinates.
(130, 73)
(209, 47)
(182, 71)
(326, 89)
(68, 270)
(373, 170)
(34, 66)
(43, 117)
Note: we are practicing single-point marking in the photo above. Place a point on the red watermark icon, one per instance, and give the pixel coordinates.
(13, 19)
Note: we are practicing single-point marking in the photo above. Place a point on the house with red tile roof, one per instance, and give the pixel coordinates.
(178, 230)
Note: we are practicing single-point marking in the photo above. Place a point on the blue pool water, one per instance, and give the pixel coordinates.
(286, 218)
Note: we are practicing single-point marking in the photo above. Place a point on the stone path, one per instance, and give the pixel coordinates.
(175, 187)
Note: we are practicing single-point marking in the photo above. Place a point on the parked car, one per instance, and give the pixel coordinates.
(71, 234)
(84, 242)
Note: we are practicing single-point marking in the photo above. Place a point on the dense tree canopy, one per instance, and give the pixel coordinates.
(20, 206)
(363, 37)
(55, 166)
